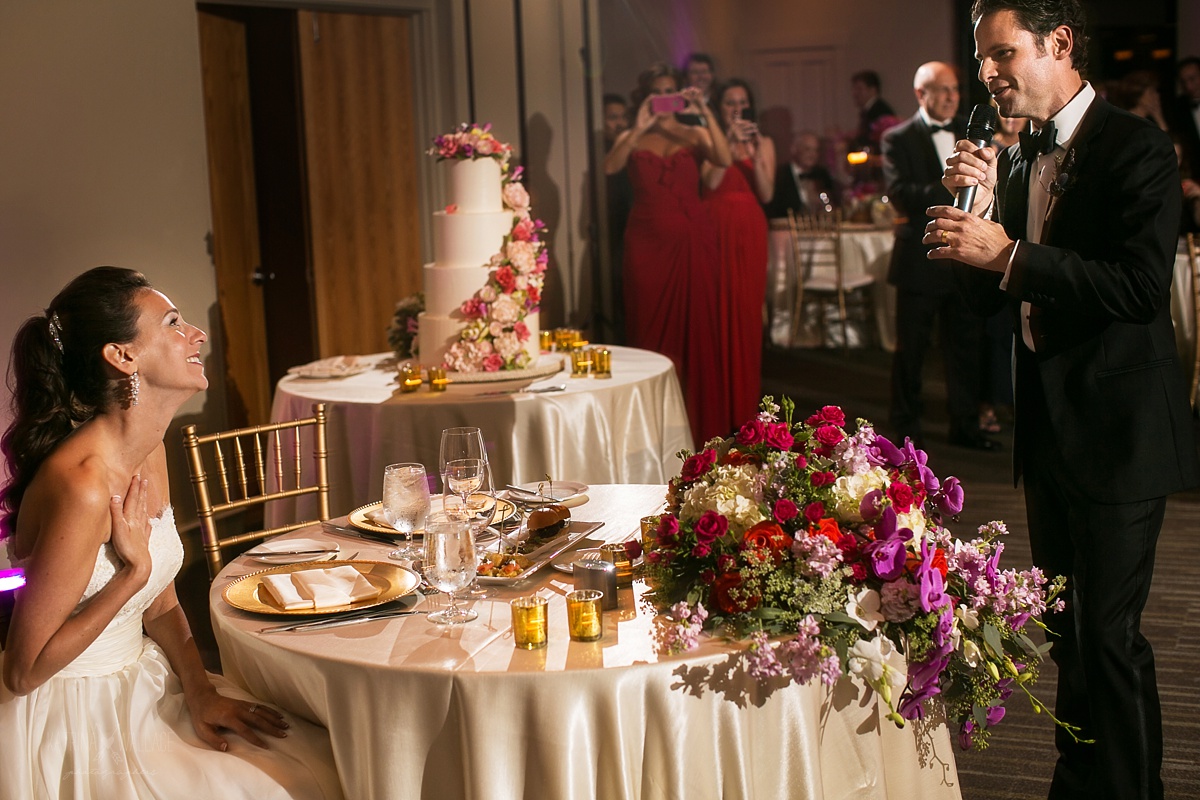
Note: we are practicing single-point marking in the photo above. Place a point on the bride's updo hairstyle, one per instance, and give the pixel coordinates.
(57, 373)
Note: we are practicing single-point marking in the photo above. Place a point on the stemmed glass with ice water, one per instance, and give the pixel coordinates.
(406, 505)
(450, 564)
(465, 472)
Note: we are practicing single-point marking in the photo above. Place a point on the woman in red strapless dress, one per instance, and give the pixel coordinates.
(733, 195)
(671, 267)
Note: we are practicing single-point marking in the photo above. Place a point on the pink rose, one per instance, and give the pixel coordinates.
(506, 278)
(523, 231)
(522, 331)
(473, 308)
(493, 363)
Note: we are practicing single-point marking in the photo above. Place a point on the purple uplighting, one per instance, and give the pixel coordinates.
(11, 579)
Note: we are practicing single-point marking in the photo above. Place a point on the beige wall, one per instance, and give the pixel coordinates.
(103, 159)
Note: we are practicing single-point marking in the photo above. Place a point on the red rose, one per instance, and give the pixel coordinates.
(736, 458)
(506, 279)
(858, 571)
(829, 435)
(751, 433)
(785, 509)
(726, 563)
(901, 497)
(829, 415)
(728, 596)
(535, 294)
(710, 527)
(819, 479)
(814, 511)
(779, 437)
(801, 462)
(707, 577)
(633, 549)
(827, 527)
(697, 465)
(939, 562)
(701, 551)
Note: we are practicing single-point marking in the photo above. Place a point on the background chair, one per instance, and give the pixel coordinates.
(248, 448)
(817, 258)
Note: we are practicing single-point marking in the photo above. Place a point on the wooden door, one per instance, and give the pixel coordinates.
(360, 152)
(235, 244)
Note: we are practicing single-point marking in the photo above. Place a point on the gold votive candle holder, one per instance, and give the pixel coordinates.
(616, 555)
(585, 619)
(563, 338)
(529, 622)
(649, 532)
(581, 362)
(410, 377)
(437, 379)
(545, 341)
(601, 362)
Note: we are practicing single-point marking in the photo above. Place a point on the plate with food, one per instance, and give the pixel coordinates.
(546, 491)
(504, 570)
(331, 368)
(370, 517)
(392, 581)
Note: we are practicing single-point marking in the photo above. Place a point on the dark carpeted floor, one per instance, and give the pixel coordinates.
(1021, 757)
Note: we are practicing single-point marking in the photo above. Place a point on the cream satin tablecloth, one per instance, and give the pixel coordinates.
(1183, 312)
(417, 710)
(625, 429)
(864, 252)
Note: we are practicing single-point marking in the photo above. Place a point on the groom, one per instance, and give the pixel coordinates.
(1074, 231)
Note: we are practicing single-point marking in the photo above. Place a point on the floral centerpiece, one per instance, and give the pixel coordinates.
(829, 551)
(495, 334)
(402, 333)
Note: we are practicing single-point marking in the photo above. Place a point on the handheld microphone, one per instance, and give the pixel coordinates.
(980, 129)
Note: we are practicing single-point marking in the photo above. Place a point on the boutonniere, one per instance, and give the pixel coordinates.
(1062, 179)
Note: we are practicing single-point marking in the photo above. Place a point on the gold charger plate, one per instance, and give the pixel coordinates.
(249, 594)
(361, 517)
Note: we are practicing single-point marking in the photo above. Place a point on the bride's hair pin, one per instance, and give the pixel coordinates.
(55, 326)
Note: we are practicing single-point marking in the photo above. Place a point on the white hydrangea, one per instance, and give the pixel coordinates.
(849, 490)
(734, 493)
(915, 521)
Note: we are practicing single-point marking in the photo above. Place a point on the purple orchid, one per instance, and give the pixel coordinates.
(950, 499)
(871, 505)
(887, 558)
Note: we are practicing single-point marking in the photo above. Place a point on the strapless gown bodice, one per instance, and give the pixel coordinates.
(114, 723)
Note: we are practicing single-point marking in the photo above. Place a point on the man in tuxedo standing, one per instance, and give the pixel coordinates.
(800, 183)
(865, 88)
(1186, 122)
(1074, 230)
(915, 154)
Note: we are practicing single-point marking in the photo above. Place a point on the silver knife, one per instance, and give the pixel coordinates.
(340, 621)
(257, 553)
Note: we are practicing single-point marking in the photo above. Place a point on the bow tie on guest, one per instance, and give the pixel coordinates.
(1037, 143)
(949, 126)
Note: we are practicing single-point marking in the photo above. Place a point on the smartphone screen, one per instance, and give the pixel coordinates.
(748, 114)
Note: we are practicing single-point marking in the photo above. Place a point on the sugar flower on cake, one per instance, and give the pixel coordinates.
(826, 548)
(515, 275)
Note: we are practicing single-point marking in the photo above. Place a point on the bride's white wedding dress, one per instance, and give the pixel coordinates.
(113, 724)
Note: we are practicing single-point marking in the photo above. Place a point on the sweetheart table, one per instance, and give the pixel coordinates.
(623, 429)
(417, 710)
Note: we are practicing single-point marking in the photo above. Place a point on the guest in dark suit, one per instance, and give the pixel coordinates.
(865, 88)
(915, 154)
(1186, 123)
(801, 182)
(1080, 244)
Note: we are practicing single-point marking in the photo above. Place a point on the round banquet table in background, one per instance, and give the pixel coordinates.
(419, 710)
(624, 429)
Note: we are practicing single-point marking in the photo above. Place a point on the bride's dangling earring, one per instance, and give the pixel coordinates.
(133, 385)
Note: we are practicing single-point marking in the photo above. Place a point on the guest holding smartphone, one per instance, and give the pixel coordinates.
(671, 267)
(734, 196)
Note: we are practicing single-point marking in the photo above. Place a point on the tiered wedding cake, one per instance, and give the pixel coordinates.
(483, 288)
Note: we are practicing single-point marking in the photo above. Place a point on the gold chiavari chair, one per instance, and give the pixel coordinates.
(817, 258)
(1194, 263)
(248, 450)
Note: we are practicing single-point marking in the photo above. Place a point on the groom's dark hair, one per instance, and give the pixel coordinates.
(1040, 17)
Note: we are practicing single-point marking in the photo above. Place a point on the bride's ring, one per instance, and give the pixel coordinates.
(254, 708)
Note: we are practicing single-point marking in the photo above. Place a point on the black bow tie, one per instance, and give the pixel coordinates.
(949, 126)
(1037, 143)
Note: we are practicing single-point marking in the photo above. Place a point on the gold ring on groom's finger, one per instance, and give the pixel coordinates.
(945, 236)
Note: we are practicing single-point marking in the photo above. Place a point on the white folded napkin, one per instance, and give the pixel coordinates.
(320, 588)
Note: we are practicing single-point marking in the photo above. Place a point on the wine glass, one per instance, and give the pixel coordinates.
(475, 503)
(458, 444)
(450, 564)
(406, 505)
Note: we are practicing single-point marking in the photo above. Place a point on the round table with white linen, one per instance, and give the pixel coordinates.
(623, 429)
(417, 710)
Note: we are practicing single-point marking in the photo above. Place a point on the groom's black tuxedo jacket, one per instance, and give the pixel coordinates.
(1115, 396)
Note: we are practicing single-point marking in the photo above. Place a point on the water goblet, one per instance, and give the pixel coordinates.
(450, 564)
(405, 505)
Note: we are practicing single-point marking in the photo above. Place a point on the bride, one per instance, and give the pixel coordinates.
(89, 707)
